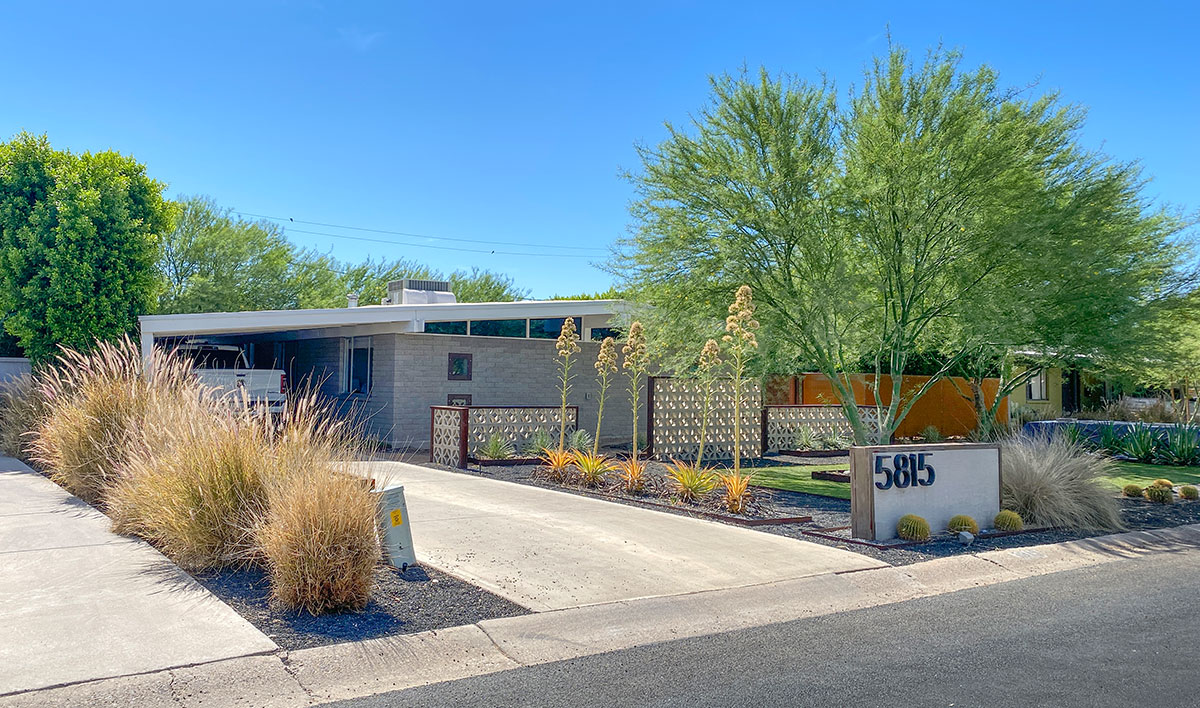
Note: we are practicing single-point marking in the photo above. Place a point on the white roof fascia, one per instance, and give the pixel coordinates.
(278, 320)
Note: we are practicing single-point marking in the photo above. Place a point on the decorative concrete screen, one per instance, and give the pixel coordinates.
(782, 424)
(934, 482)
(675, 407)
(515, 423)
(456, 432)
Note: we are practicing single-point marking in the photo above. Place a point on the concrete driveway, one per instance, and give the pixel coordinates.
(550, 550)
(78, 602)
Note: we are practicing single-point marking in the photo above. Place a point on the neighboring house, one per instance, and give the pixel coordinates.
(391, 362)
(12, 367)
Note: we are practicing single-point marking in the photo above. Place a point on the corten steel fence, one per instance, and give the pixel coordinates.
(456, 432)
(675, 407)
(782, 425)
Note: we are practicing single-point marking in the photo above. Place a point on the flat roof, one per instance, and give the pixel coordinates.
(282, 320)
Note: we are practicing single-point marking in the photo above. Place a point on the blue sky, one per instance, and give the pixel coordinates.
(509, 122)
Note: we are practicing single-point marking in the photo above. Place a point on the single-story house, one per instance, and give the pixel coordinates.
(419, 348)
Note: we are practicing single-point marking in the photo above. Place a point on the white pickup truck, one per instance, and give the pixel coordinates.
(224, 367)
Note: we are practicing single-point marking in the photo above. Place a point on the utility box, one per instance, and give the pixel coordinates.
(393, 520)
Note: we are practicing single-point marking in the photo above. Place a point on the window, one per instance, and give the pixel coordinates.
(356, 365)
(498, 328)
(1035, 388)
(459, 327)
(459, 367)
(599, 333)
(550, 328)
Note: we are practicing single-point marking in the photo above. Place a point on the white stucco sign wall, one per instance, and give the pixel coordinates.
(935, 482)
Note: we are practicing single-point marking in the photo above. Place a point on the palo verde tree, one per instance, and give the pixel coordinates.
(78, 240)
(868, 228)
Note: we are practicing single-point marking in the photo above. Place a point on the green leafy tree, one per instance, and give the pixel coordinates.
(484, 286)
(78, 242)
(884, 227)
(213, 262)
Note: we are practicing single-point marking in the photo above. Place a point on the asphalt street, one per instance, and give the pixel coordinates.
(1120, 634)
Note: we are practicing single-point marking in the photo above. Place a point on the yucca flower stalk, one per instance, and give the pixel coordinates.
(636, 365)
(706, 370)
(606, 366)
(567, 345)
(740, 327)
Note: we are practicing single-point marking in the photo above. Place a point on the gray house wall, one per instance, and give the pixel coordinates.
(410, 374)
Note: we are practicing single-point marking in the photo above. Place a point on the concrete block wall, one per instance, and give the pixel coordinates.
(320, 361)
(504, 372)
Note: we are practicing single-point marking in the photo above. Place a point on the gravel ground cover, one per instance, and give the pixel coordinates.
(417, 600)
(831, 516)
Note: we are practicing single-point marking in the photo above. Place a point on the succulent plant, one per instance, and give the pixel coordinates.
(1189, 492)
(1008, 520)
(1133, 490)
(911, 527)
(962, 522)
(1164, 483)
(1159, 494)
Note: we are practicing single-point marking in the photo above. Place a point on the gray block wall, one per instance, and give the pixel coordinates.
(504, 372)
(318, 364)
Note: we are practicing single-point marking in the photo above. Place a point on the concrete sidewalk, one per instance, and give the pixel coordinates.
(79, 603)
(550, 550)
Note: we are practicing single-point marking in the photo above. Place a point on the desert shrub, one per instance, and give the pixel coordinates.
(95, 404)
(1161, 411)
(1159, 494)
(1025, 414)
(1050, 482)
(1180, 446)
(21, 409)
(540, 440)
(735, 491)
(1111, 441)
(962, 522)
(689, 482)
(1008, 520)
(1133, 490)
(496, 447)
(631, 476)
(592, 468)
(1141, 443)
(1189, 492)
(911, 527)
(931, 434)
(556, 465)
(318, 539)
(580, 440)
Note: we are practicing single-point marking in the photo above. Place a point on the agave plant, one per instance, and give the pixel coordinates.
(807, 439)
(1140, 443)
(690, 482)
(1075, 434)
(579, 440)
(631, 476)
(1180, 447)
(540, 440)
(1111, 441)
(735, 494)
(592, 467)
(556, 464)
(496, 447)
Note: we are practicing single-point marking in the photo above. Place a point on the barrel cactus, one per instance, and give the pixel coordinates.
(1189, 492)
(1132, 490)
(911, 527)
(1008, 521)
(1164, 483)
(1159, 494)
(962, 522)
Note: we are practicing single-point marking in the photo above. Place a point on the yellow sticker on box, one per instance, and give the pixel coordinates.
(397, 517)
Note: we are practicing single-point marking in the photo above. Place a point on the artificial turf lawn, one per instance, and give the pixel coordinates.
(1144, 475)
(798, 478)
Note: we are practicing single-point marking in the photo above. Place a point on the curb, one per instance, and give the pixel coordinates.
(357, 669)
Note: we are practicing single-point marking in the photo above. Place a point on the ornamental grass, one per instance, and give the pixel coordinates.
(1053, 482)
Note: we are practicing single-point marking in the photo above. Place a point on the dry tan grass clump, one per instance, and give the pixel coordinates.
(1056, 483)
(21, 408)
(94, 411)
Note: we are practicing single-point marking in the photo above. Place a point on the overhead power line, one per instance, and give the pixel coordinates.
(290, 220)
(458, 249)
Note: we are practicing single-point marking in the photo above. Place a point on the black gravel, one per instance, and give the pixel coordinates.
(417, 600)
(829, 514)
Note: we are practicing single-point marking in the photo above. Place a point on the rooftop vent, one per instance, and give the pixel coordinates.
(412, 291)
